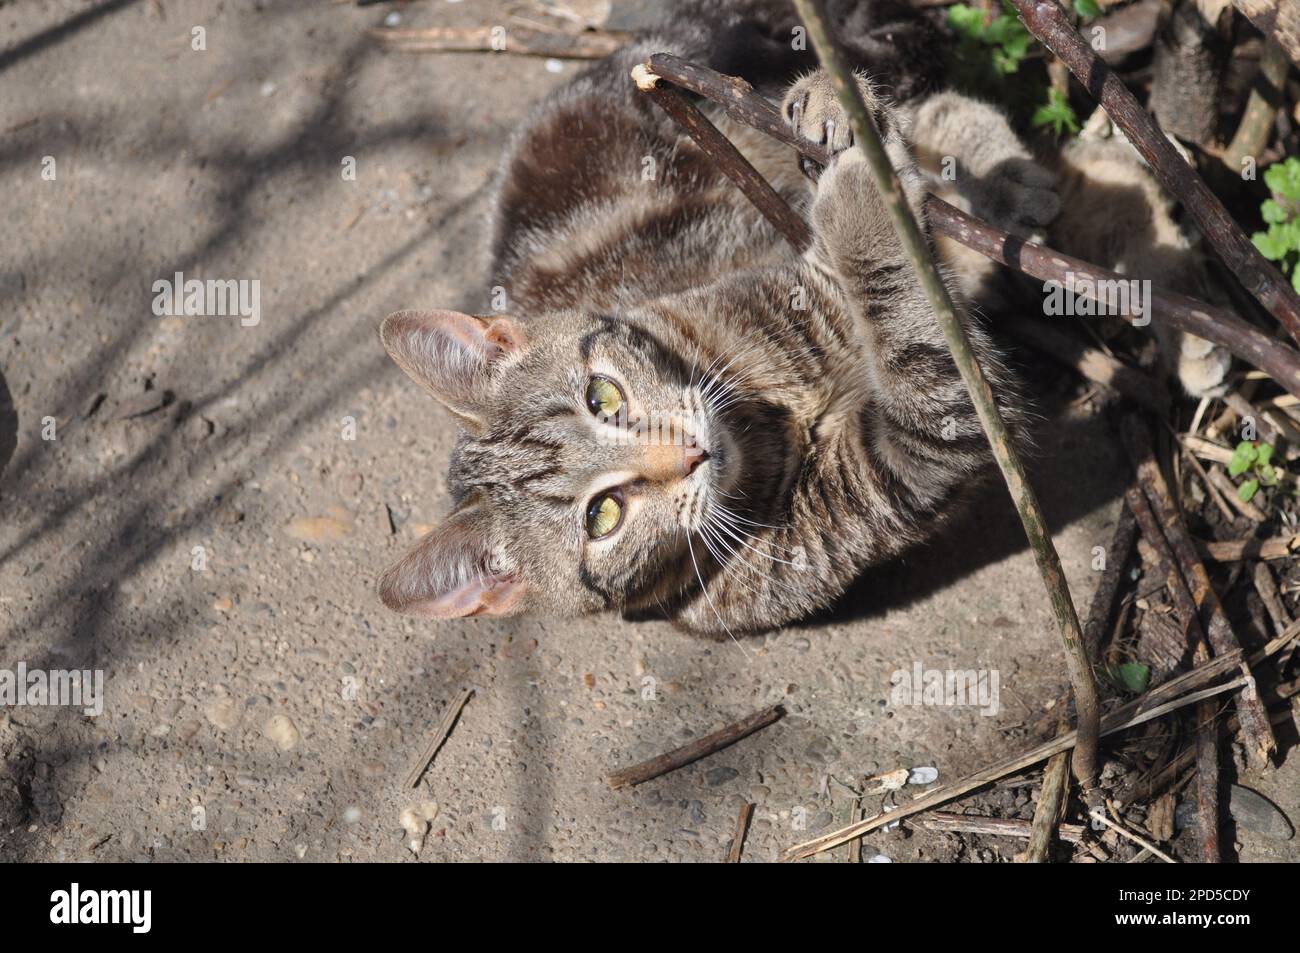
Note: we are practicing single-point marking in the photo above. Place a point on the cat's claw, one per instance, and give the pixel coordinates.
(812, 110)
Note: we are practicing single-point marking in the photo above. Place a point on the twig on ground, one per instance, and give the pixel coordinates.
(1103, 597)
(1219, 482)
(1267, 94)
(1048, 810)
(738, 838)
(917, 249)
(1214, 621)
(1125, 832)
(1266, 587)
(1278, 19)
(1049, 23)
(588, 45)
(430, 751)
(995, 826)
(1232, 550)
(700, 748)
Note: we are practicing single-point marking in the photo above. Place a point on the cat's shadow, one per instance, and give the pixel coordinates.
(1076, 468)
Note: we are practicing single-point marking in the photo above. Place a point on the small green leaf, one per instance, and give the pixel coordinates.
(1270, 245)
(1273, 213)
(1246, 492)
(1087, 8)
(1263, 454)
(1269, 476)
(1133, 676)
(1242, 458)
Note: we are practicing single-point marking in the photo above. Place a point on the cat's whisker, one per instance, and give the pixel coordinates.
(705, 590)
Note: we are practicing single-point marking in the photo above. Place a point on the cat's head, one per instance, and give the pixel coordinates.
(592, 453)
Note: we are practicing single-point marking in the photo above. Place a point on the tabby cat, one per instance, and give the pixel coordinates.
(679, 414)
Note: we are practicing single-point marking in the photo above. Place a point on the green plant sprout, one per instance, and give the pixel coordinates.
(1058, 113)
(1004, 34)
(1256, 461)
(1281, 212)
(1133, 677)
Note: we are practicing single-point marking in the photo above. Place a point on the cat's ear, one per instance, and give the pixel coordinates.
(451, 573)
(452, 355)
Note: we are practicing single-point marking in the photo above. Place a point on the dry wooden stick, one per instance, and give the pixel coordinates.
(995, 826)
(1103, 597)
(1231, 550)
(720, 150)
(587, 45)
(1261, 108)
(1214, 621)
(1279, 19)
(742, 827)
(1051, 25)
(1217, 325)
(1050, 799)
(430, 751)
(917, 249)
(1207, 733)
(695, 750)
(1266, 587)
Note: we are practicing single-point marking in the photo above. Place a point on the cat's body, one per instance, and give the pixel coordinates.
(682, 414)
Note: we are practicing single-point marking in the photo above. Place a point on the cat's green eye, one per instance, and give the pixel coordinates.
(604, 515)
(604, 397)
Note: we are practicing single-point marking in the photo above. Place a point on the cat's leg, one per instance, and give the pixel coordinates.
(920, 423)
(970, 146)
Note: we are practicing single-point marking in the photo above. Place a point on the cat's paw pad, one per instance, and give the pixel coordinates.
(1016, 195)
(812, 110)
(1202, 367)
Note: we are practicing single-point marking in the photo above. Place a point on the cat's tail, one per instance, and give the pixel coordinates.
(762, 41)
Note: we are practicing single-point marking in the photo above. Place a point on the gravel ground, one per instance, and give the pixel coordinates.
(209, 522)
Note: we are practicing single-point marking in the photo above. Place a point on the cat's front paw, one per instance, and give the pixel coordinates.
(812, 110)
(1016, 195)
(1202, 367)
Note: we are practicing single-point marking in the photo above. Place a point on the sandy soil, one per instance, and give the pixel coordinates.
(205, 532)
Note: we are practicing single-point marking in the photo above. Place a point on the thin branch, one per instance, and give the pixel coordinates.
(1031, 515)
(449, 715)
(726, 156)
(1047, 812)
(1266, 96)
(1051, 25)
(1278, 19)
(993, 826)
(738, 838)
(700, 748)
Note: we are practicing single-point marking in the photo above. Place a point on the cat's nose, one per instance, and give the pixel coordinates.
(692, 457)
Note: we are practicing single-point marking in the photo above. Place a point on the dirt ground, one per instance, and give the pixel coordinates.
(209, 522)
